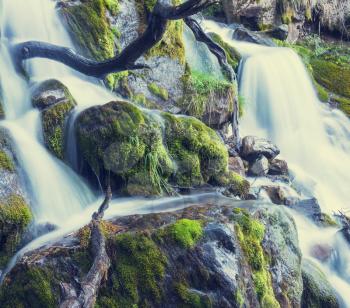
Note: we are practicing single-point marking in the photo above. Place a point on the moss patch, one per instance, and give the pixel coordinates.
(15, 216)
(158, 91)
(138, 268)
(236, 184)
(31, 287)
(6, 162)
(201, 91)
(53, 121)
(250, 233)
(191, 298)
(185, 232)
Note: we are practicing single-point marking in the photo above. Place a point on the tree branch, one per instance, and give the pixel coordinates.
(91, 282)
(126, 60)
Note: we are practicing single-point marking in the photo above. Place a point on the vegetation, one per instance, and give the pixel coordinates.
(6, 162)
(15, 217)
(158, 91)
(185, 232)
(32, 287)
(138, 268)
(250, 233)
(201, 91)
(191, 299)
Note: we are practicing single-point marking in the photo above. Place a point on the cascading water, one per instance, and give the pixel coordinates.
(282, 105)
(56, 191)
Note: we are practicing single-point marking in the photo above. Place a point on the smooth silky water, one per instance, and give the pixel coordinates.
(281, 104)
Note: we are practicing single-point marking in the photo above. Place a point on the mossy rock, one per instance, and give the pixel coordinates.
(29, 287)
(138, 268)
(48, 93)
(208, 98)
(147, 154)
(53, 122)
(343, 104)
(15, 217)
(317, 292)
(333, 76)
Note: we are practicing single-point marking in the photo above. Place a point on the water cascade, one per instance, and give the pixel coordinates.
(281, 105)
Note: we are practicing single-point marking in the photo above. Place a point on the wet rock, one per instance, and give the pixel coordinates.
(259, 167)
(278, 167)
(56, 103)
(318, 292)
(236, 164)
(309, 208)
(48, 93)
(253, 147)
(126, 142)
(243, 34)
(15, 214)
(281, 194)
(322, 252)
(281, 32)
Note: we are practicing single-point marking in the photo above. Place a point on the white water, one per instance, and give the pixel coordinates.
(282, 105)
(56, 192)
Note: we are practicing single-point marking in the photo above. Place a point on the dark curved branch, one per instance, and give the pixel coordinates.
(158, 21)
(215, 48)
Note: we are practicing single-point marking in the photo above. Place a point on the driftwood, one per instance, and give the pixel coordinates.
(91, 282)
(126, 60)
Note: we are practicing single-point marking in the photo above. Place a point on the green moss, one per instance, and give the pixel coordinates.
(250, 233)
(190, 298)
(237, 184)
(158, 91)
(142, 100)
(232, 55)
(197, 150)
(321, 92)
(15, 217)
(202, 90)
(332, 76)
(343, 103)
(185, 232)
(53, 121)
(6, 162)
(239, 298)
(138, 268)
(2, 111)
(112, 6)
(146, 153)
(31, 287)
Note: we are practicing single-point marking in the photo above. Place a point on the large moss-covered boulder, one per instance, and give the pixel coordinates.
(15, 214)
(148, 153)
(317, 292)
(55, 102)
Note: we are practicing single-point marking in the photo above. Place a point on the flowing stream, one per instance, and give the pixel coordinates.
(281, 105)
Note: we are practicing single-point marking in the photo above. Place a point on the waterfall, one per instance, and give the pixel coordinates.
(281, 104)
(55, 191)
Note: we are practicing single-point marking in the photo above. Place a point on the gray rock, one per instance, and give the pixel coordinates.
(281, 32)
(317, 292)
(243, 34)
(236, 164)
(259, 167)
(48, 93)
(253, 147)
(278, 167)
(281, 194)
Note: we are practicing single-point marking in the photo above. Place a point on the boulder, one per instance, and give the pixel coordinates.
(318, 292)
(253, 147)
(278, 167)
(56, 103)
(236, 164)
(281, 32)
(143, 153)
(243, 34)
(259, 167)
(322, 252)
(281, 194)
(48, 93)
(15, 214)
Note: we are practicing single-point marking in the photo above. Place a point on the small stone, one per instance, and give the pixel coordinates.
(236, 164)
(278, 167)
(259, 167)
(253, 147)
